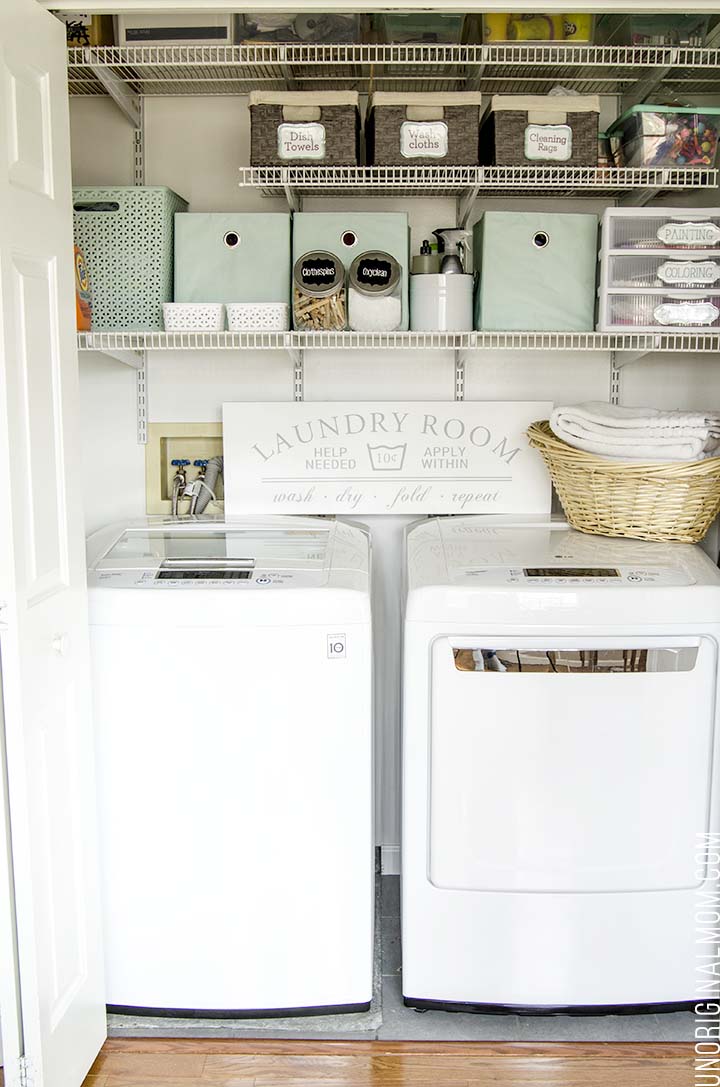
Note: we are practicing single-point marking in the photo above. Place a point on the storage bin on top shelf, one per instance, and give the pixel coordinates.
(416, 128)
(537, 26)
(535, 271)
(310, 29)
(660, 270)
(648, 135)
(518, 129)
(127, 236)
(304, 127)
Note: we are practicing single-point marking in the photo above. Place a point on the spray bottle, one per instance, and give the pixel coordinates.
(451, 241)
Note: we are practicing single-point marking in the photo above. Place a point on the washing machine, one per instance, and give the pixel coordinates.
(559, 745)
(232, 694)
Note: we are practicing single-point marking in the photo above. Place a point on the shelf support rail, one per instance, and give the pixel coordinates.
(297, 356)
(614, 379)
(141, 399)
(459, 374)
(139, 146)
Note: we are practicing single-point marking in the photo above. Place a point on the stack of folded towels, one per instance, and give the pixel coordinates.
(644, 434)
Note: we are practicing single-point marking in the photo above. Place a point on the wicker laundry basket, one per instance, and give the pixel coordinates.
(304, 128)
(645, 500)
(540, 130)
(417, 128)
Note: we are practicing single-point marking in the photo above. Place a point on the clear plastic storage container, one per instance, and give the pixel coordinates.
(313, 28)
(423, 28)
(661, 228)
(648, 135)
(375, 293)
(700, 271)
(672, 312)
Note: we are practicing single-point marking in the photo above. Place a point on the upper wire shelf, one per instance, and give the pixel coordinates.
(512, 68)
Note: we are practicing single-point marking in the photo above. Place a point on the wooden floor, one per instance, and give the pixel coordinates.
(231, 1063)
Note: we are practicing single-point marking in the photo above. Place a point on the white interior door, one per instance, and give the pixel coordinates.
(45, 667)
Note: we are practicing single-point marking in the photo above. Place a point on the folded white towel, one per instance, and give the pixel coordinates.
(638, 433)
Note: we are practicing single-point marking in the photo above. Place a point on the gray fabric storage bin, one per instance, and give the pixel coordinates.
(127, 236)
(347, 234)
(232, 257)
(540, 130)
(409, 128)
(535, 271)
(304, 128)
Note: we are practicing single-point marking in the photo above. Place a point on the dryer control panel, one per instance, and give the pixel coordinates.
(577, 576)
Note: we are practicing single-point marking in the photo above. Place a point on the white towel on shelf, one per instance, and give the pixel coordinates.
(638, 433)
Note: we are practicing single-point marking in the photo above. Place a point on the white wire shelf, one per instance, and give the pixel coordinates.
(634, 343)
(510, 68)
(295, 182)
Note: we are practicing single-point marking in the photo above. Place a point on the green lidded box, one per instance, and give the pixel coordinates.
(126, 234)
(535, 271)
(347, 234)
(232, 257)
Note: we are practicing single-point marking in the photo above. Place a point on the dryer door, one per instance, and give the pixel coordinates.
(570, 765)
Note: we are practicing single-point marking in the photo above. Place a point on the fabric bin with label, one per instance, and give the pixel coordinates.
(127, 236)
(298, 128)
(535, 271)
(671, 311)
(232, 257)
(648, 135)
(698, 270)
(417, 128)
(313, 28)
(191, 28)
(660, 228)
(348, 234)
(541, 129)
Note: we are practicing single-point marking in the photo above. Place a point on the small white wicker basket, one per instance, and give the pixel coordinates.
(258, 316)
(194, 316)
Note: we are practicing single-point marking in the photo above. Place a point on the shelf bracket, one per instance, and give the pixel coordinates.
(287, 71)
(639, 198)
(474, 81)
(294, 201)
(141, 400)
(459, 374)
(126, 101)
(644, 88)
(466, 203)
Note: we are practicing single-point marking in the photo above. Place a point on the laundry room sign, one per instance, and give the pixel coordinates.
(469, 457)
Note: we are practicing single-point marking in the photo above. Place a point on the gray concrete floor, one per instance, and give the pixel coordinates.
(389, 1019)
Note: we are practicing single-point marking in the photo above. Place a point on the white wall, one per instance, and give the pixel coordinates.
(196, 146)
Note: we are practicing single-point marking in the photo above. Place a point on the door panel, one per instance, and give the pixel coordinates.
(48, 732)
(547, 780)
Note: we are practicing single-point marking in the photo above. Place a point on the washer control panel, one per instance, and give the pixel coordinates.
(578, 576)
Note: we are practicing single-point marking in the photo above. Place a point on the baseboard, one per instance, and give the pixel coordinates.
(390, 860)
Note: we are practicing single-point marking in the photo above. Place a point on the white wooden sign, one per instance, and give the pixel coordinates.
(412, 457)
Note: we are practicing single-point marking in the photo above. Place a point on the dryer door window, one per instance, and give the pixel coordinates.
(573, 771)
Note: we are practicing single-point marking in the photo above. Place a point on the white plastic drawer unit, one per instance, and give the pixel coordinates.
(558, 774)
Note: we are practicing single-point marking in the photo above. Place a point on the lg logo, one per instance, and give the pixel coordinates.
(336, 645)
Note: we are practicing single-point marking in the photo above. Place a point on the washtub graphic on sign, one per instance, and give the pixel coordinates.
(387, 458)
(379, 458)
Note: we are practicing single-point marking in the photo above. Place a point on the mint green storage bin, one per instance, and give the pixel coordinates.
(535, 271)
(348, 234)
(232, 257)
(127, 236)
